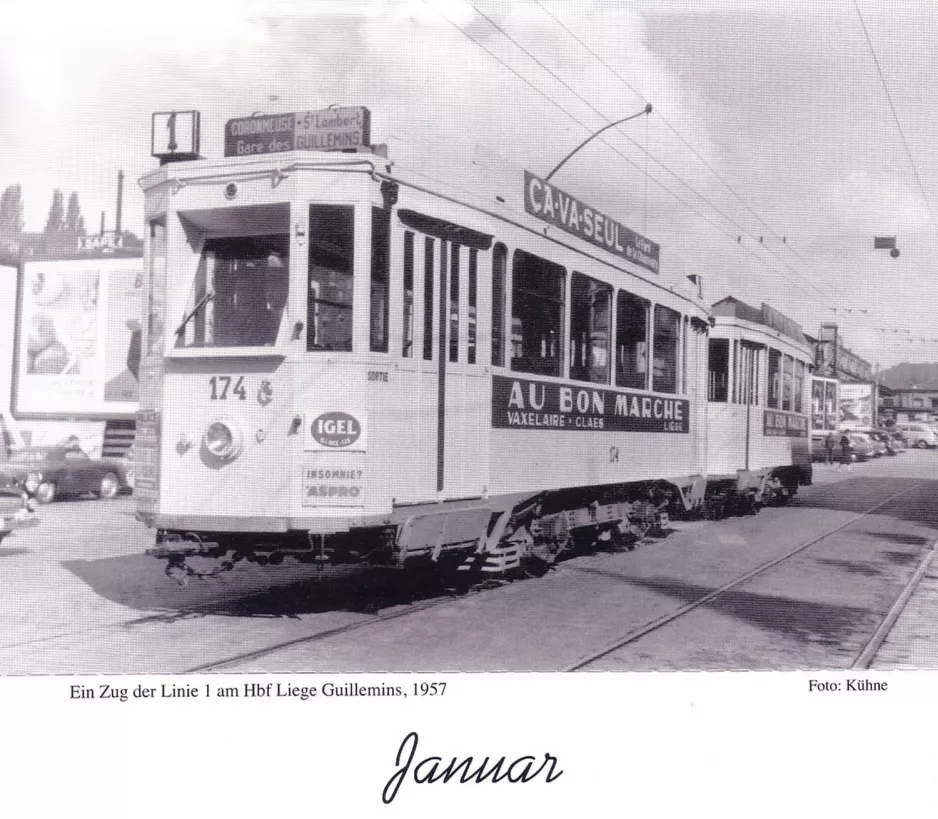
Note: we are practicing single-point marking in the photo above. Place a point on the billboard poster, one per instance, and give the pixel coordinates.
(856, 406)
(831, 409)
(824, 405)
(78, 337)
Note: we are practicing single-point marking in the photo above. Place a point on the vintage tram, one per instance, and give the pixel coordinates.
(758, 393)
(348, 364)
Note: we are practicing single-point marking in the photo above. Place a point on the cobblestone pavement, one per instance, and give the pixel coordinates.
(81, 597)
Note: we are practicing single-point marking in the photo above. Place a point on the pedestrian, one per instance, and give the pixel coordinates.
(845, 453)
(829, 443)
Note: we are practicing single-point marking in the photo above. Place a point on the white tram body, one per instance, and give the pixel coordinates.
(347, 363)
(332, 346)
(759, 400)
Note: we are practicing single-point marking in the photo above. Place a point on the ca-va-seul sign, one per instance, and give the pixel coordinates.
(552, 205)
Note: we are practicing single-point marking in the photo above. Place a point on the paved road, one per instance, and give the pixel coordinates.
(80, 596)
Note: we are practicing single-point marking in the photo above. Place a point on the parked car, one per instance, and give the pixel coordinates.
(59, 471)
(898, 439)
(17, 508)
(919, 435)
(883, 437)
(819, 451)
(861, 445)
(876, 441)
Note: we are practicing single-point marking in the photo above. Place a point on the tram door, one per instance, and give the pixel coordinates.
(461, 445)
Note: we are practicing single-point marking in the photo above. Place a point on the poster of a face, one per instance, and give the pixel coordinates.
(79, 336)
(61, 309)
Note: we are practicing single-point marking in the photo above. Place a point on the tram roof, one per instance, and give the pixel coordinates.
(765, 315)
(487, 196)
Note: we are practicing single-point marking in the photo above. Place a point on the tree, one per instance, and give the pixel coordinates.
(11, 216)
(55, 222)
(74, 223)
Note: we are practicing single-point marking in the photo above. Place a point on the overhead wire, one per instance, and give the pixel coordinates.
(687, 144)
(583, 125)
(647, 153)
(895, 116)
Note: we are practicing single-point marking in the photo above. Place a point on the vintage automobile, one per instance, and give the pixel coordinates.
(883, 442)
(861, 445)
(59, 471)
(919, 435)
(17, 508)
(819, 451)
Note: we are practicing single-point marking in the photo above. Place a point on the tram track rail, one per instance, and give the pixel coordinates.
(866, 655)
(404, 610)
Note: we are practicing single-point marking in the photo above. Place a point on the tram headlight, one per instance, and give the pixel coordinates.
(33, 479)
(223, 439)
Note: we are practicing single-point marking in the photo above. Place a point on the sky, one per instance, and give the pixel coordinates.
(773, 156)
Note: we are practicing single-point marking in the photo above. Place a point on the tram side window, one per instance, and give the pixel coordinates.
(787, 366)
(747, 374)
(331, 266)
(473, 281)
(428, 298)
(667, 324)
(454, 303)
(798, 386)
(499, 268)
(407, 350)
(590, 309)
(719, 370)
(631, 341)
(775, 379)
(380, 269)
(536, 315)
(239, 293)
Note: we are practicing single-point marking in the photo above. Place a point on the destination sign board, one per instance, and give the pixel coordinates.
(333, 129)
(785, 425)
(552, 205)
(521, 403)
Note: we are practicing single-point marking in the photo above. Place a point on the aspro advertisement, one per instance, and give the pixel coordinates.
(856, 406)
(79, 337)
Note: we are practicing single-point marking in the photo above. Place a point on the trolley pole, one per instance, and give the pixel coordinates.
(646, 110)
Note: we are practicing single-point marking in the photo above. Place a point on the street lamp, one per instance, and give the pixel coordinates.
(646, 110)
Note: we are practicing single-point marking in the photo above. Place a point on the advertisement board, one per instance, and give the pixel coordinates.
(522, 403)
(825, 408)
(78, 337)
(550, 204)
(856, 406)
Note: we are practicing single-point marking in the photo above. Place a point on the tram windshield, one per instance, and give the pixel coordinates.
(239, 293)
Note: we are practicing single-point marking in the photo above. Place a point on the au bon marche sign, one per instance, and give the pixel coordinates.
(334, 129)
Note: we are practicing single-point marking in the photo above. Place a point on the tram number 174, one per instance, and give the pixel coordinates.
(220, 385)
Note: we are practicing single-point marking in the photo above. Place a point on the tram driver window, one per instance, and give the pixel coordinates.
(590, 303)
(775, 379)
(239, 293)
(329, 304)
(667, 332)
(631, 341)
(536, 315)
(719, 370)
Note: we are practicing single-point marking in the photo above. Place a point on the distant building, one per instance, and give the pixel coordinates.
(833, 360)
(909, 404)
